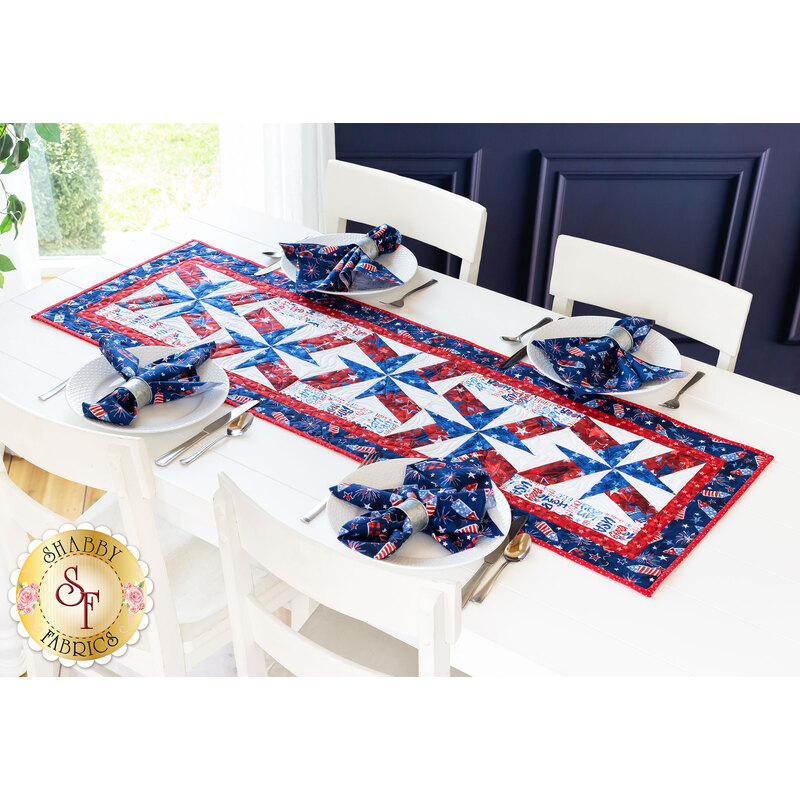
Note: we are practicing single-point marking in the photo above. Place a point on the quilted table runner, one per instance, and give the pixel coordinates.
(621, 489)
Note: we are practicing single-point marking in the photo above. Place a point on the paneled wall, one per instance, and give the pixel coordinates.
(721, 199)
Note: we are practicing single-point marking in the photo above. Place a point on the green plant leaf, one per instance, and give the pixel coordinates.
(15, 207)
(2, 280)
(23, 149)
(6, 146)
(5, 225)
(19, 129)
(5, 264)
(49, 131)
(18, 155)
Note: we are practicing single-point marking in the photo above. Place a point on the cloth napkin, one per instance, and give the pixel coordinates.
(167, 379)
(346, 267)
(456, 494)
(591, 363)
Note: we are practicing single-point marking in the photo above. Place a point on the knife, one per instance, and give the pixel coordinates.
(520, 354)
(472, 583)
(218, 423)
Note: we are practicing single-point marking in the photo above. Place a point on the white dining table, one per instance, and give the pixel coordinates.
(731, 608)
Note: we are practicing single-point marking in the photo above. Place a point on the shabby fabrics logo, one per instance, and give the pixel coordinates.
(80, 595)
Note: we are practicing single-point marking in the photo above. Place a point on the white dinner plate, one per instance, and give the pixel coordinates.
(655, 349)
(401, 263)
(420, 549)
(97, 378)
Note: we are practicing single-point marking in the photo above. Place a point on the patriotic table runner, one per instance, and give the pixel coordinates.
(623, 490)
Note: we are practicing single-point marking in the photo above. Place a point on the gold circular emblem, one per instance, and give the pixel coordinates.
(81, 595)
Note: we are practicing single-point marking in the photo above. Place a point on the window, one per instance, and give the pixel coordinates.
(106, 182)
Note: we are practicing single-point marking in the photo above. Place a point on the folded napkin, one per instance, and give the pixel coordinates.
(159, 382)
(456, 495)
(605, 363)
(347, 267)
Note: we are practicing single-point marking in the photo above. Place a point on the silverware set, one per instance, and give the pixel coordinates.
(515, 550)
(471, 585)
(235, 428)
(227, 419)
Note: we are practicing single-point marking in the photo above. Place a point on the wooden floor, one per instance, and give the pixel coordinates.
(62, 496)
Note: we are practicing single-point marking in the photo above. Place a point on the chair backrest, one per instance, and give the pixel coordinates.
(685, 301)
(113, 462)
(418, 210)
(414, 608)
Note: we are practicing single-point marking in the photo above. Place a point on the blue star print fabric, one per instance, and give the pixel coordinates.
(599, 363)
(344, 268)
(456, 493)
(169, 378)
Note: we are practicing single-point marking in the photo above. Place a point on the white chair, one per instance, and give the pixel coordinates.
(418, 210)
(189, 619)
(685, 301)
(422, 611)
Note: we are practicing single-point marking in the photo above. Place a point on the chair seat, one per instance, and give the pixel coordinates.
(359, 642)
(194, 566)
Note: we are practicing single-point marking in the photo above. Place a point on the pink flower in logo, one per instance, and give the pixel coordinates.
(134, 597)
(27, 598)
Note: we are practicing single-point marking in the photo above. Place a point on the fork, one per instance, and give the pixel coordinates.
(691, 382)
(399, 302)
(314, 512)
(518, 338)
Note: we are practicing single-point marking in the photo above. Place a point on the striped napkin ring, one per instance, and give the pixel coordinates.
(416, 513)
(140, 389)
(369, 246)
(622, 337)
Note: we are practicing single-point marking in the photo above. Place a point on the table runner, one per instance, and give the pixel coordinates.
(621, 489)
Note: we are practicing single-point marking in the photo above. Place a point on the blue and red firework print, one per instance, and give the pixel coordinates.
(344, 268)
(169, 378)
(592, 364)
(621, 489)
(457, 495)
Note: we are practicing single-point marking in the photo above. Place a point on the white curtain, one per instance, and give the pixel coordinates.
(277, 168)
(24, 250)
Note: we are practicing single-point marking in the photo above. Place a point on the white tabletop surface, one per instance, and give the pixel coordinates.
(731, 608)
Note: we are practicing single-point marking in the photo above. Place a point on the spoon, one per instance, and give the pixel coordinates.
(235, 428)
(399, 302)
(515, 550)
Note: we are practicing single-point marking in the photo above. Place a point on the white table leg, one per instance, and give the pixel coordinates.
(12, 657)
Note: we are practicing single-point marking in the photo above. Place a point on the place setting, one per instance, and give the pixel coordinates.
(430, 514)
(346, 263)
(149, 390)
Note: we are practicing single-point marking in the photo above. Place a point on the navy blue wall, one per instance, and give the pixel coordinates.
(721, 199)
